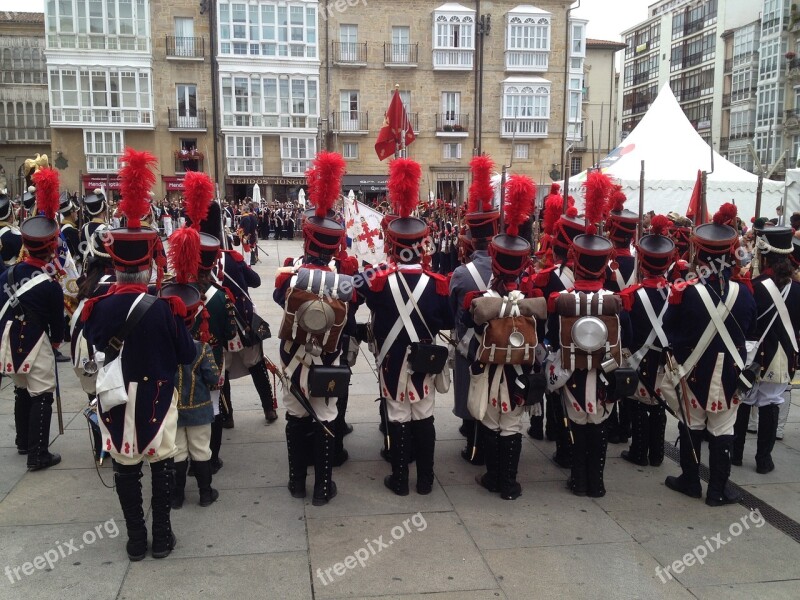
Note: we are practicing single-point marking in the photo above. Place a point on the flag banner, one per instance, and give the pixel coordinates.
(363, 226)
(394, 123)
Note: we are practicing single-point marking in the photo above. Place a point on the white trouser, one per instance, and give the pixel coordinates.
(507, 423)
(405, 411)
(41, 378)
(194, 441)
(167, 449)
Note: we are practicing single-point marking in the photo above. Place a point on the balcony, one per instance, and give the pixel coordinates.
(742, 95)
(295, 167)
(451, 124)
(413, 119)
(185, 48)
(179, 122)
(529, 61)
(743, 134)
(400, 56)
(83, 41)
(691, 27)
(245, 166)
(280, 122)
(523, 128)
(690, 60)
(79, 117)
(641, 78)
(355, 122)
(350, 54)
(188, 163)
(24, 135)
(452, 59)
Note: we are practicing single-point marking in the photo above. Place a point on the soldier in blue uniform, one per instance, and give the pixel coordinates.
(143, 428)
(69, 226)
(708, 321)
(32, 325)
(646, 303)
(777, 298)
(95, 207)
(10, 237)
(585, 386)
(482, 221)
(398, 323)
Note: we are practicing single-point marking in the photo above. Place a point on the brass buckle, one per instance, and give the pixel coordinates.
(115, 343)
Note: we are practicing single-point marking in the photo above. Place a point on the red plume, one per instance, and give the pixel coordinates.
(726, 215)
(616, 199)
(404, 176)
(520, 193)
(572, 212)
(659, 225)
(184, 253)
(555, 189)
(481, 192)
(136, 181)
(198, 191)
(553, 208)
(596, 189)
(325, 181)
(46, 181)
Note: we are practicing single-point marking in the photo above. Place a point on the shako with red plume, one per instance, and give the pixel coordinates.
(510, 251)
(596, 190)
(198, 197)
(656, 250)
(133, 248)
(482, 217)
(322, 235)
(716, 240)
(405, 234)
(621, 223)
(566, 228)
(183, 254)
(40, 232)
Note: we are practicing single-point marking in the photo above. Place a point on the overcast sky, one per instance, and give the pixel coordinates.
(607, 18)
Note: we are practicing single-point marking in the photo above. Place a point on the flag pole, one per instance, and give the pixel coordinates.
(400, 146)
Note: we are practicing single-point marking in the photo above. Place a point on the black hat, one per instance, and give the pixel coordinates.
(776, 240)
(209, 251)
(403, 235)
(566, 228)
(482, 218)
(95, 203)
(713, 241)
(188, 294)
(95, 245)
(621, 225)
(132, 250)
(795, 255)
(323, 236)
(38, 233)
(510, 254)
(6, 208)
(212, 224)
(656, 252)
(29, 198)
(591, 254)
(65, 205)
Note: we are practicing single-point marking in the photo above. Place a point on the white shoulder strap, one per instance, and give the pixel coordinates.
(476, 277)
(402, 309)
(26, 287)
(718, 314)
(779, 300)
(657, 330)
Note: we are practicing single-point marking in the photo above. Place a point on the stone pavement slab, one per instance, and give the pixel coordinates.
(774, 590)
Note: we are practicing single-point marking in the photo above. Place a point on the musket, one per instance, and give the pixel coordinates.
(298, 395)
(683, 398)
(58, 403)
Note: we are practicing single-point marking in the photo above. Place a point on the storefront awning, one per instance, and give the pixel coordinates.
(108, 182)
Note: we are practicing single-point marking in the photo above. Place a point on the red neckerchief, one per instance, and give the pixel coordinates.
(35, 262)
(588, 286)
(654, 282)
(624, 251)
(115, 288)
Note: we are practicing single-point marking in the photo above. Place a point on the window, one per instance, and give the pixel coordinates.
(451, 105)
(521, 151)
(578, 39)
(575, 123)
(742, 86)
(348, 43)
(297, 154)
(350, 117)
(528, 41)
(102, 149)
(769, 62)
(745, 41)
(188, 159)
(350, 150)
(742, 123)
(244, 154)
(526, 109)
(575, 164)
(268, 30)
(98, 24)
(24, 121)
(184, 37)
(22, 65)
(770, 104)
(270, 101)
(401, 46)
(451, 151)
(453, 39)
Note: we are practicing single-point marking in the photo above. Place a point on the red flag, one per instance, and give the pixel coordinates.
(394, 122)
(694, 210)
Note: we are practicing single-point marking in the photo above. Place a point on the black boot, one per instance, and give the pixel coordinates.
(39, 433)
(178, 494)
(424, 445)
(614, 428)
(473, 453)
(216, 443)
(163, 480)
(563, 454)
(399, 448)
(536, 430)
(740, 434)
(127, 479)
(296, 429)
(767, 431)
(466, 427)
(577, 481)
(624, 406)
(510, 447)
(688, 482)
(719, 492)
(596, 447)
(491, 452)
(202, 472)
(260, 376)
(340, 455)
(324, 487)
(657, 425)
(640, 433)
(22, 414)
(551, 400)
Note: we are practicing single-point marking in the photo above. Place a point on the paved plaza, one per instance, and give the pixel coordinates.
(63, 534)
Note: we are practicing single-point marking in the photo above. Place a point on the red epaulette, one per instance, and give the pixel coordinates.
(378, 282)
(744, 279)
(628, 296)
(442, 282)
(470, 296)
(176, 305)
(551, 301)
(543, 277)
(677, 289)
(288, 262)
(234, 255)
(281, 279)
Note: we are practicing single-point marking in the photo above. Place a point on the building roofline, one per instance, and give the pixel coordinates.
(592, 43)
(8, 16)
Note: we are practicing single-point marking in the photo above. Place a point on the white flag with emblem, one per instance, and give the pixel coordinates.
(364, 229)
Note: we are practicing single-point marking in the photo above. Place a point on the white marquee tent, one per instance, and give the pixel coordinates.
(673, 152)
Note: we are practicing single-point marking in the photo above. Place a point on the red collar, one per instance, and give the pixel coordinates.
(588, 286)
(35, 262)
(654, 282)
(128, 288)
(624, 251)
